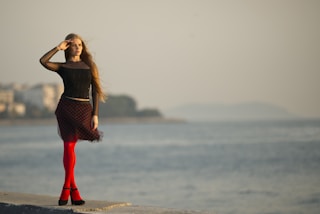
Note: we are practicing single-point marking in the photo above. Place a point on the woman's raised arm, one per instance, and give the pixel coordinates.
(45, 59)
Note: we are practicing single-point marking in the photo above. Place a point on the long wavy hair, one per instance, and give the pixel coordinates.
(86, 57)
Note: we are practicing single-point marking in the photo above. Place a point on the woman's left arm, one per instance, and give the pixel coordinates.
(94, 122)
(95, 108)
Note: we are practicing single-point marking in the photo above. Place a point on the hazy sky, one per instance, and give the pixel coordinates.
(167, 53)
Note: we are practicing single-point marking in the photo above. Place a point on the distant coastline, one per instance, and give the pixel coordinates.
(237, 111)
(125, 120)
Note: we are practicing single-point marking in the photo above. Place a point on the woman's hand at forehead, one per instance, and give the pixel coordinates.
(64, 45)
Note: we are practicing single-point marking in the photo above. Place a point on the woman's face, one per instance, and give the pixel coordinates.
(75, 47)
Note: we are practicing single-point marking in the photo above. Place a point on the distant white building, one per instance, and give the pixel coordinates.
(18, 109)
(7, 104)
(43, 96)
(6, 96)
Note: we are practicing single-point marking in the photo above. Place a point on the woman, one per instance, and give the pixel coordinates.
(77, 118)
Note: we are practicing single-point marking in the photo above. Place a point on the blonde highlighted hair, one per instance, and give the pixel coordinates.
(87, 58)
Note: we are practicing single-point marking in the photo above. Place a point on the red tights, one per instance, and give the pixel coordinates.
(69, 162)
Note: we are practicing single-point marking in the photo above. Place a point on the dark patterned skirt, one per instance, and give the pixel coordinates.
(74, 121)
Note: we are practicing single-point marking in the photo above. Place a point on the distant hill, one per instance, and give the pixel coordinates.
(241, 111)
(120, 106)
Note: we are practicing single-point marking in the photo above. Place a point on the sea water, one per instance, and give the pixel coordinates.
(219, 167)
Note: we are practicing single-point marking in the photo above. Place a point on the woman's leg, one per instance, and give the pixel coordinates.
(69, 159)
(69, 162)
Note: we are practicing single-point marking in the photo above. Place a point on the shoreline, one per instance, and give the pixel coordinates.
(13, 202)
(115, 120)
